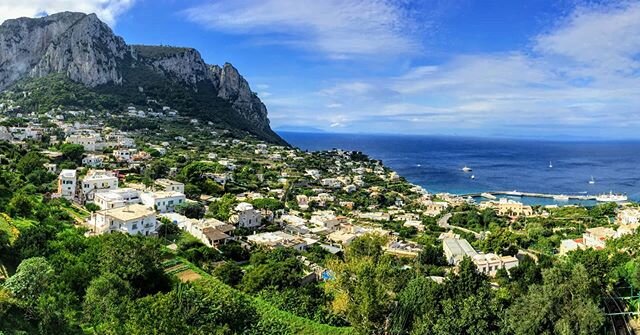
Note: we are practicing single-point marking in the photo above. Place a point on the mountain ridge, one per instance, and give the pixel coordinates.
(87, 51)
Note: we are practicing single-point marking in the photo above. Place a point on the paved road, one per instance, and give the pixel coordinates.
(444, 223)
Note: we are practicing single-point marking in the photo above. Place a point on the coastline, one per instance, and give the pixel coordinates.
(424, 166)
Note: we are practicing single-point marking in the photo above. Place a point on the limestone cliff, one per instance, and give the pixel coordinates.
(87, 51)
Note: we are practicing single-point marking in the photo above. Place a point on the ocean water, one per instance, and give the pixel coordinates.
(435, 163)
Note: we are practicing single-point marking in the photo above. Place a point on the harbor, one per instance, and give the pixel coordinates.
(494, 194)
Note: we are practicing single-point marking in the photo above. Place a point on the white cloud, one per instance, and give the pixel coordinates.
(337, 28)
(579, 77)
(107, 10)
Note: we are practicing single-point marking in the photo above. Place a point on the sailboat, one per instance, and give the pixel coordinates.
(550, 165)
(592, 181)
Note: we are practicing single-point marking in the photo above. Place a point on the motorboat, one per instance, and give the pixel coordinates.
(466, 169)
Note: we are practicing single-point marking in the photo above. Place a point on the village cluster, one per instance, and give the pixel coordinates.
(327, 205)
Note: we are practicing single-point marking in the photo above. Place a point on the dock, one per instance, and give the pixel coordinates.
(530, 194)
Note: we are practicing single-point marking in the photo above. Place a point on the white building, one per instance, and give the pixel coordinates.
(51, 168)
(162, 201)
(132, 219)
(246, 216)
(628, 216)
(456, 249)
(279, 239)
(326, 220)
(124, 155)
(98, 180)
(94, 161)
(67, 182)
(107, 199)
(170, 185)
(90, 142)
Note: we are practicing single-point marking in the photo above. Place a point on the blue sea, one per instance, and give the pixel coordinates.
(435, 163)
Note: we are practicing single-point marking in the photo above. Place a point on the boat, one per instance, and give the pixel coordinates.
(592, 181)
(561, 197)
(466, 169)
(611, 197)
(488, 196)
(473, 176)
(550, 165)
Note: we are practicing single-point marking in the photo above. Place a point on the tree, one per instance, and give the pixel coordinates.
(72, 152)
(364, 285)
(417, 302)
(221, 209)
(30, 162)
(268, 203)
(34, 240)
(105, 300)
(132, 258)
(21, 205)
(91, 207)
(32, 278)
(277, 268)
(192, 210)
(562, 304)
(229, 273)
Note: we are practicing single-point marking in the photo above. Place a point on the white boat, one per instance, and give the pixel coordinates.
(473, 176)
(488, 196)
(561, 197)
(466, 169)
(611, 197)
(550, 165)
(592, 181)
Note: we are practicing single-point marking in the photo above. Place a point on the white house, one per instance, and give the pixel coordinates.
(629, 216)
(279, 239)
(124, 155)
(90, 142)
(93, 161)
(67, 181)
(51, 168)
(98, 180)
(107, 199)
(246, 216)
(162, 201)
(131, 219)
(456, 249)
(170, 185)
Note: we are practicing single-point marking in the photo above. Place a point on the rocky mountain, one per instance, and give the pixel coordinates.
(86, 50)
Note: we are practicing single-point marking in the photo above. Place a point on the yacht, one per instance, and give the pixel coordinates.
(611, 197)
(561, 197)
(592, 181)
(466, 169)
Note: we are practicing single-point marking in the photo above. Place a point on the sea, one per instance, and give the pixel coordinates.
(436, 162)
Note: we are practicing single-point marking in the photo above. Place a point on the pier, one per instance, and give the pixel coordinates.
(531, 195)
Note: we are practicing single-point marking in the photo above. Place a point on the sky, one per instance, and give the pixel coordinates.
(557, 69)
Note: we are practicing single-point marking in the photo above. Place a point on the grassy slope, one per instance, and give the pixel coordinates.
(297, 324)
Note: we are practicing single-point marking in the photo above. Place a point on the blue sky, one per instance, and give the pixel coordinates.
(541, 69)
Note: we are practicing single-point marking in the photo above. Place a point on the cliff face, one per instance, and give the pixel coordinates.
(87, 51)
(234, 88)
